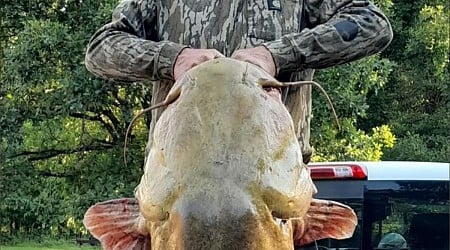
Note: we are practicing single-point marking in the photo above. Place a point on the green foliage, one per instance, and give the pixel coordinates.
(352, 144)
(431, 35)
(415, 103)
(61, 128)
(385, 5)
(349, 87)
(48, 244)
(414, 147)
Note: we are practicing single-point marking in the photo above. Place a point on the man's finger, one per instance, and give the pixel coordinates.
(189, 58)
(218, 55)
(258, 56)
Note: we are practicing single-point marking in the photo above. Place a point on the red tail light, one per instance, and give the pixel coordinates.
(337, 171)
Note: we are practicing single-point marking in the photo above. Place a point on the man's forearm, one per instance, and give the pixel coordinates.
(351, 34)
(119, 55)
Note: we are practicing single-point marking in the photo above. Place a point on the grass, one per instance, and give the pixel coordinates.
(56, 245)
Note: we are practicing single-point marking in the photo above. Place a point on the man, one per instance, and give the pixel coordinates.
(160, 40)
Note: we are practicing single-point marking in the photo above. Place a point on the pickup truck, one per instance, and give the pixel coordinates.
(400, 205)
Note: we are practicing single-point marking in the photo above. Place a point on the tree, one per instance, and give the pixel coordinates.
(61, 128)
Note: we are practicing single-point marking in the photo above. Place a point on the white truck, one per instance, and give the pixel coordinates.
(400, 205)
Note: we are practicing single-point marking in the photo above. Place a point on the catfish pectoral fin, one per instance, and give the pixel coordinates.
(117, 224)
(324, 219)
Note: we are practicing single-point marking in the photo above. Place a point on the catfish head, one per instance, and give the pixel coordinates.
(224, 171)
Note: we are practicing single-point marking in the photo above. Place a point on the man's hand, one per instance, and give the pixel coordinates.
(260, 56)
(189, 58)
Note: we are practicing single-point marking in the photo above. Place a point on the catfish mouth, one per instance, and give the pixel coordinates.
(282, 224)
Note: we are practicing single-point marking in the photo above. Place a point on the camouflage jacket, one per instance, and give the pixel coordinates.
(145, 36)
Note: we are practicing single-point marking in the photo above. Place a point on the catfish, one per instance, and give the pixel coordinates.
(224, 171)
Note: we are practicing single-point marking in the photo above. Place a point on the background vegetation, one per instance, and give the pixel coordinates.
(61, 128)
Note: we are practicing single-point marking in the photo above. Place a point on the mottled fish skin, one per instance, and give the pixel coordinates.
(144, 38)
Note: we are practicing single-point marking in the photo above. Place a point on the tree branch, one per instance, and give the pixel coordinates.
(47, 154)
(115, 124)
(86, 117)
(111, 130)
(119, 100)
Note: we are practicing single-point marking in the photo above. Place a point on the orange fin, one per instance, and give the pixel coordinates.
(118, 224)
(324, 219)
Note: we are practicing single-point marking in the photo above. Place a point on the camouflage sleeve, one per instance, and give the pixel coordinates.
(123, 49)
(336, 32)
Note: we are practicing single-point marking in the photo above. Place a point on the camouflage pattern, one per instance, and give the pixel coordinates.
(144, 38)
